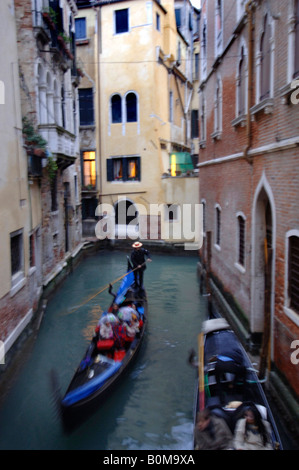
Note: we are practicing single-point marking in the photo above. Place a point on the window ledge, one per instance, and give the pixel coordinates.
(239, 121)
(291, 314)
(18, 282)
(265, 105)
(82, 42)
(286, 91)
(202, 144)
(216, 135)
(240, 268)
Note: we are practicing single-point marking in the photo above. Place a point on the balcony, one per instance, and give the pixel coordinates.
(60, 142)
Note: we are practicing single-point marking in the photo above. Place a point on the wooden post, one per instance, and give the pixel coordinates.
(265, 350)
(201, 377)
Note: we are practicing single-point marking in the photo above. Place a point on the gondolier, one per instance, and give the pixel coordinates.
(138, 260)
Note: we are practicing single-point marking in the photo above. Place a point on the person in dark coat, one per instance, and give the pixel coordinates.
(212, 432)
(138, 260)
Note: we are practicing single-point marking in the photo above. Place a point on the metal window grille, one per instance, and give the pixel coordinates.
(294, 273)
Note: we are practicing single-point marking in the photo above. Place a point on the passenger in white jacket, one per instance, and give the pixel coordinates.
(252, 432)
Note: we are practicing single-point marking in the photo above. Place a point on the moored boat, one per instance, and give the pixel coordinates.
(228, 399)
(108, 357)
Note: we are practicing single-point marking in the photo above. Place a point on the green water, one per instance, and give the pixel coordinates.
(152, 408)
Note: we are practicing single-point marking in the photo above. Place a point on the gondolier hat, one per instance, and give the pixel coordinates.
(137, 245)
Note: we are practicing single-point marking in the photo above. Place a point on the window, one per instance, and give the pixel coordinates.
(80, 28)
(293, 277)
(194, 123)
(170, 106)
(241, 85)
(158, 24)
(89, 170)
(196, 67)
(218, 27)
(16, 252)
(265, 53)
(217, 110)
(86, 106)
(62, 107)
(204, 48)
(121, 21)
(54, 203)
(89, 208)
(202, 118)
(131, 107)
(32, 250)
(241, 230)
(116, 109)
(178, 17)
(218, 226)
(296, 68)
(123, 169)
(171, 212)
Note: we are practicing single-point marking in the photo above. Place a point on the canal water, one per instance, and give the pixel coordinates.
(152, 408)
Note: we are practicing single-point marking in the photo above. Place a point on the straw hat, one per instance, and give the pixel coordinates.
(137, 245)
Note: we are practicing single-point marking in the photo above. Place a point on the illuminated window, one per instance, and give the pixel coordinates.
(89, 169)
(123, 169)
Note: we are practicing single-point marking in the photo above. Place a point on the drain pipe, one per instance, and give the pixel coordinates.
(249, 10)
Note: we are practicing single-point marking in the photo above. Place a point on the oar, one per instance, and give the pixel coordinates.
(201, 384)
(106, 287)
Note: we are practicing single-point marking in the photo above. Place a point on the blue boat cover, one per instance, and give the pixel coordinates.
(92, 386)
(127, 282)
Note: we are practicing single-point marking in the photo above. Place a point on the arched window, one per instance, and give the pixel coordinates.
(241, 233)
(131, 107)
(265, 51)
(241, 84)
(218, 225)
(293, 279)
(56, 103)
(116, 109)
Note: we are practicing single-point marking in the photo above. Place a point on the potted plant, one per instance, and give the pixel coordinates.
(34, 142)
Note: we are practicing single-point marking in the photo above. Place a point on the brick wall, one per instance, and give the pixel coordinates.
(232, 183)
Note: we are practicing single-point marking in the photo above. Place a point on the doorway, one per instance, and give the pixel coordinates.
(263, 265)
(126, 219)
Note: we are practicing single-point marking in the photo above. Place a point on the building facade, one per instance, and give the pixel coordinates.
(141, 116)
(248, 162)
(40, 189)
(49, 97)
(19, 290)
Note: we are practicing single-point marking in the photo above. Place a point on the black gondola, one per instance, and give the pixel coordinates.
(216, 338)
(105, 361)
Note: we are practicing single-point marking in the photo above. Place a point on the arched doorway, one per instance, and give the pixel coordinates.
(126, 219)
(263, 248)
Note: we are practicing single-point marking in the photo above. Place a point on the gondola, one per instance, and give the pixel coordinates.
(106, 360)
(217, 337)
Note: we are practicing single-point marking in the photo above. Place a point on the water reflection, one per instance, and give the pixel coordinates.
(152, 409)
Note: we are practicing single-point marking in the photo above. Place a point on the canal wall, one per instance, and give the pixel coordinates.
(276, 386)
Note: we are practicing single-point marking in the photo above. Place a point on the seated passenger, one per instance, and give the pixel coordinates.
(106, 331)
(252, 432)
(212, 432)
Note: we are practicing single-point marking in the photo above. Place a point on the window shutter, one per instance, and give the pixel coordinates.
(110, 176)
(125, 169)
(138, 161)
(80, 28)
